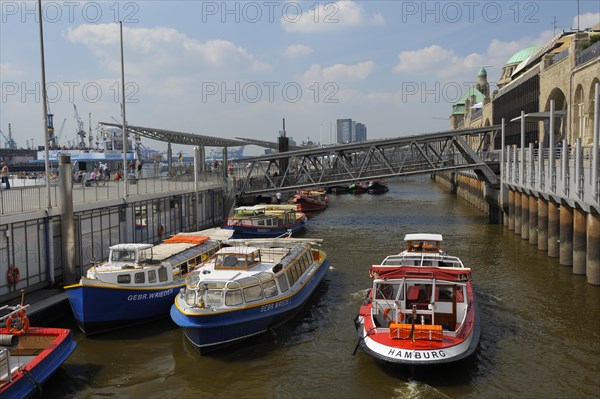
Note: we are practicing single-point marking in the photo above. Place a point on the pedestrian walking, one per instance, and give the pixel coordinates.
(4, 174)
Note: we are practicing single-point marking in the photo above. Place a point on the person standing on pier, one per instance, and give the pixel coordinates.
(4, 174)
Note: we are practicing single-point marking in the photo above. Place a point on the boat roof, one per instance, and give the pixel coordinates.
(250, 208)
(423, 237)
(237, 250)
(129, 247)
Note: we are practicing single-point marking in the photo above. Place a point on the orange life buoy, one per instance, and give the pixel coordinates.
(160, 229)
(17, 323)
(13, 275)
(386, 315)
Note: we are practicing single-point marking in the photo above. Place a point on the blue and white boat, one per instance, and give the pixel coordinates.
(266, 221)
(247, 289)
(138, 282)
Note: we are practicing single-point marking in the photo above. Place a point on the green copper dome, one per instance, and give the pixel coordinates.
(522, 55)
(482, 72)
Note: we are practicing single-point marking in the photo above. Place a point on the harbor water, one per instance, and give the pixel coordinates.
(540, 324)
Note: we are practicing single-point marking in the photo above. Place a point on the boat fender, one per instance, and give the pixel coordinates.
(17, 323)
(9, 340)
(160, 229)
(13, 275)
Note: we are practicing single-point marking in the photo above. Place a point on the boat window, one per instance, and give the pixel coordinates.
(253, 293)
(162, 274)
(270, 288)
(385, 291)
(283, 283)
(124, 279)
(145, 255)
(308, 259)
(443, 293)
(290, 276)
(233, 297)
(139, 278)
(214, 298)
(300, 269)
(152, 276)
(459, 294)
(293, 269)
(260, 222)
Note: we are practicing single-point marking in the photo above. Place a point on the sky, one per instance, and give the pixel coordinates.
(236, 68)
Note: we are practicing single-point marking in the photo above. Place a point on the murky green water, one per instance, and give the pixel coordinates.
(540, 324)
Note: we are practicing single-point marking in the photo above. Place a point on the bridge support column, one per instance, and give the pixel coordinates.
(592, 267)
(542, 226)
(566, 235)
(525, 216)
(518, 212)
(579, 241)
(511, 209)
(553, 228)
(533, 220)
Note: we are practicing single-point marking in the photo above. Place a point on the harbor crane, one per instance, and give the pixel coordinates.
(9, 142)
(60, 130)
(80, 131)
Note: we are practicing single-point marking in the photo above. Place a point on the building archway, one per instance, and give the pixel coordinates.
(560, 124)
(588, 135)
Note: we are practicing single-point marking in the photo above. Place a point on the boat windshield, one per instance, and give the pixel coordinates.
(122, 256)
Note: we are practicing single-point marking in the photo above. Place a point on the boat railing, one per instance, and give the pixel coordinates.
(5, 368)
(460, 326)
(12, 310)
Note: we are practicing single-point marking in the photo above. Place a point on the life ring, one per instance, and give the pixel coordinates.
(17, 323)
(160, 229)
(13, 275)
(386, 316)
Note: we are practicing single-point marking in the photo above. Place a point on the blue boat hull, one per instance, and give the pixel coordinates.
(265, 232)
(100, 309)
(209, 332)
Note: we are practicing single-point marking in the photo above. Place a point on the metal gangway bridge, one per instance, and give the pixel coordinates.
(453, 150)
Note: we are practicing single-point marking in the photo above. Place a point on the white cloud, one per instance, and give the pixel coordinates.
(438, 62)
(159, 47)
(587, 20)
(329, 17)
(338, 72)
(297, 50)
(10, 71)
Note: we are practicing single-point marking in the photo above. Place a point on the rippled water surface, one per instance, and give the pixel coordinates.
(540, 324)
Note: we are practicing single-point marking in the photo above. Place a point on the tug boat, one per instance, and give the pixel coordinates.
(420, 309)
(29, 355)
(266, 221)
(246, 289)
(311, 200)
(138, 282)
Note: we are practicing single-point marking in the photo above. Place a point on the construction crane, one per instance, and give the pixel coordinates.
(80, 128)
(60, 131)
(9, 142)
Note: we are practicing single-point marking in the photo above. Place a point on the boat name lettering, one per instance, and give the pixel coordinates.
(271, 306)
(439, 354)
(153, 295)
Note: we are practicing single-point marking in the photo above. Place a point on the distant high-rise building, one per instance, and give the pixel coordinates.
(344, 131)
(361, 132)
(349, 131)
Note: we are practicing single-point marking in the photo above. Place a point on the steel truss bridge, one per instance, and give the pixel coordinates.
(377, 159)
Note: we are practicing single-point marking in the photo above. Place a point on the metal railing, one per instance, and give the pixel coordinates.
(588, 54)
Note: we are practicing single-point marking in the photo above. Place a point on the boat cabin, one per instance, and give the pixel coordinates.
(423, 243)
(136, 254)
(237, 258)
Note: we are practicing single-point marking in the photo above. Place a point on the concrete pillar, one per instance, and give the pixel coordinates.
(579, 241)
(533, 220)
(67, 220)
(518, 213)
(592, 264)
(525, 216)
(566, 235)
(553, 229)
(511, 209)
(542, 224)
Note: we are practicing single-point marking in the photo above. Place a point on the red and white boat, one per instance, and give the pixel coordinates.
(421, 309)
(29, 355)
(310, 200)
